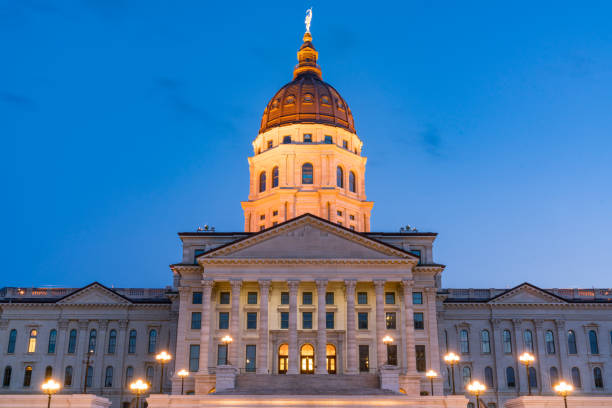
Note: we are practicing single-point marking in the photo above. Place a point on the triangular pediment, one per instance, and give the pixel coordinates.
(526, 294)
(94, 294)
(308, 237)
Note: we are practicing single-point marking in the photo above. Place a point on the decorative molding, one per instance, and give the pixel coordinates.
(302, 261)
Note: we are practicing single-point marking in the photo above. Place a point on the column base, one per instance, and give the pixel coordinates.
(411, 384)
(225, 378)
(204, 383)
(389, 378)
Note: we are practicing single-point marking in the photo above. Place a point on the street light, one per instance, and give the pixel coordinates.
(387, 340)
(138, 387)
(476, 388)
(50, 387)
(227, 339)
(89, 354)
(527, 359)
(163, 358)
(564, 389)
(183, 373)
(431, 374)
(452, 359)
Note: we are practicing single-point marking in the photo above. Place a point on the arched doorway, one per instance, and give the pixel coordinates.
(307, 359)
(283, 358)
(330, 351)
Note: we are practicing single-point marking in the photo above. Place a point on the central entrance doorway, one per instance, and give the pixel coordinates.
(307, 359)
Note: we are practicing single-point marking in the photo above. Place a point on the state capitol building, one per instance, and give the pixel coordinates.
(307, 300)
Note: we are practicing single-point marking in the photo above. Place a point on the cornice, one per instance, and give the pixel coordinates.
(429, 268)
(306, 261)
(485, 305)
(88, 305)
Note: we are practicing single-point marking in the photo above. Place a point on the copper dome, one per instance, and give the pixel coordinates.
(307, 99)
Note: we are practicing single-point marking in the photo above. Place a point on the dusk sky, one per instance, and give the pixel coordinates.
(124, 122)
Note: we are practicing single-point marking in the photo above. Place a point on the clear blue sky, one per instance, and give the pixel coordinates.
(123, 122)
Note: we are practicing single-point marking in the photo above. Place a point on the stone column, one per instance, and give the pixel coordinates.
(207, 285)
(381, 352)
(121, 348)
(81, 356)
(564, 372)
(234, 347)
(496, 350)
(181, 358)
(100, 351)
(539, 364)
(293, 339)
(60, 347)
(521, 376)
(262, 346)
(409, 314)
(351, 341)
(321, 351)
(432, 328)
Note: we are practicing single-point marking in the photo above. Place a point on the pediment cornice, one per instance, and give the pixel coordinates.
(302, 261)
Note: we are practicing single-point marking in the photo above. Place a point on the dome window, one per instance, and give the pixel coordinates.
(290, 100)
(325, 100)
(339, 104)
(275, 103)
(262, 181)
(287, 140)
(307, 138)
(308, 98)
(307, 171)
(328, 140)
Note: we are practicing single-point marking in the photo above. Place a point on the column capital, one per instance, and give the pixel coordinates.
(236, 284)
(61, 323)
(350, 283)
(539, 323)
(560, 324)
(293, 285)
(516, 322)
(123, 323)
(407, 283)
(103, 324)
(496, 323)
(264, 284)
(321, 284)
(83, 324)
(207, 283)
(379, 283)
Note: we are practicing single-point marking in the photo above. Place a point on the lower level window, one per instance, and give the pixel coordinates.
(307, 320)
(419, 322)
(284, 320)
(362, 321)
(194, 357)
(251, 320)
(222, 354)
(251, 353)
(364, 358)
(421, 363)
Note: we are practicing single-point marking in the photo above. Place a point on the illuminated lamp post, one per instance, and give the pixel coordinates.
(431, 374)
(476, 389)
(138, 387)
(452, 359)
(388, 340)
(527, 359)
(50, 387)
(163, 358)
(227, 339)
(183, 373)
(563, 389)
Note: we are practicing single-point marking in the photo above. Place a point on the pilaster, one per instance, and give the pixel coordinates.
(262, 347)
(351, 342)
(321, 350)
(207, 285)
(234, 347)
(293, 340)
(381, 353)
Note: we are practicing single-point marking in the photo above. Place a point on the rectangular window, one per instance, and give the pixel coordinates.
(421, 363)
(251, 320)
(196, 320)
(251, 353)
(262, 217)
(352, 217)
(274, 213)
(416, 252)
(194, 357)
(362, 321)
(329, 320)
(284, 298)
(307, 298)
(262, 227)
(284, 320)
(307, 138)
(362, 298)
(196, 298)
(419, 323)
(339, 213)
(275, 223)
(252, 298)
(345, 144)
(306, 320)
(392, 354)
(222, 354)
(390, 320)
(224, 298)
(329, 298)
(364, 358)
(328, 140)
(390, 298)
(223, 320)
(270, 144)
(417, 298)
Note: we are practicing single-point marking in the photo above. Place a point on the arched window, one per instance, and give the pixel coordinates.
(152, 341)
(112, 341)
(576, 377)
(286, 139)
(528, 337)
(12, 341)
(485, 342)
(129, 376)
(550, 342)
(339, 177)
(470, 405)
(593, 342)
(597, 377)
(507, 339)
(571, 342)
(533, 379)
(32, 341)
(108, 377)
(132, 342)
(93, 334)
(52, 340)
(27, 376)
(464, 343)
(6, 380)
(510, 379)
(68, 376)
(554, 376)
(89, 376)
(307, 173)
(275, 177)
(352, 182)
(489, 377)
(150, 374)
(72, 338)
(262, 181)
(466, 373)
(48, 372)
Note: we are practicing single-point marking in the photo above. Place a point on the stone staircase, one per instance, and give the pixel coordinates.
(303, 384)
